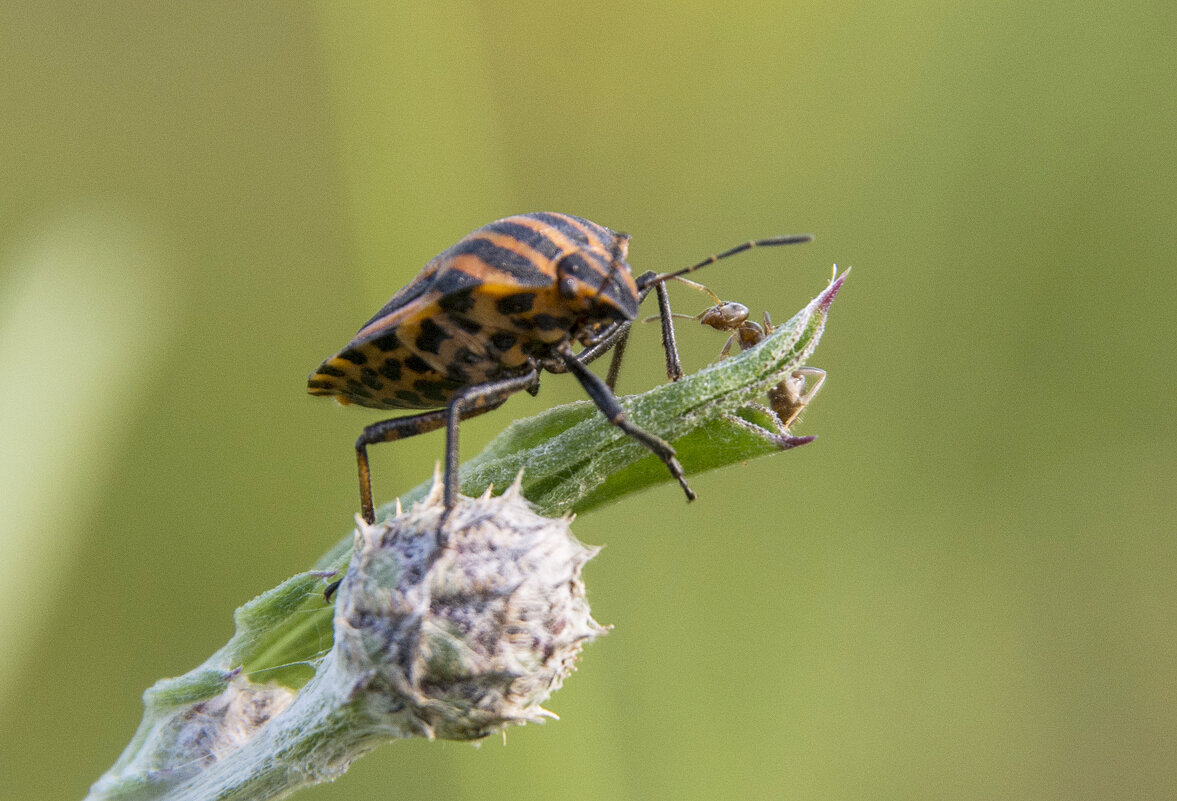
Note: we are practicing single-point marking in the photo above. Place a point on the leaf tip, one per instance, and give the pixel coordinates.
(827, 296)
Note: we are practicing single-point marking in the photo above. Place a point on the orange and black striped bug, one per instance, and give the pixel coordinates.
(485, 317)
(788, 398)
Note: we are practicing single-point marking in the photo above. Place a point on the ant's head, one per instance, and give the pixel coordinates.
(727, 315)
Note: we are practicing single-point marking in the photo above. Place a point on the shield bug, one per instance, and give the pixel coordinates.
(788, 398)
(485, 317)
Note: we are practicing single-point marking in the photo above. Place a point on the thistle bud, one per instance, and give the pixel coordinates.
(459, 625)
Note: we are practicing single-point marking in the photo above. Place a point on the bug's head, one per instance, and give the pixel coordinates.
(597, 283)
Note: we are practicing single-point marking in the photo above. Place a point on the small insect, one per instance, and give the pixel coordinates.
(788, 398)
(485, 317)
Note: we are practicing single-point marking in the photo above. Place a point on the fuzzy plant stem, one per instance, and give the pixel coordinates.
(305, 686)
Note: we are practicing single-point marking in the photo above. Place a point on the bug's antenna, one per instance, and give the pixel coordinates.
(792, 239)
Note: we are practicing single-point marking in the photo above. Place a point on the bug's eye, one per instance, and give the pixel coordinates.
(566, 269)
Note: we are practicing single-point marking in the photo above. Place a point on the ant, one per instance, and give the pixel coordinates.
(788, 398)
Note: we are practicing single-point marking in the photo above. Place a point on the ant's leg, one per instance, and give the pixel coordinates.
(607, 403)
(727, 348)
(789, 398)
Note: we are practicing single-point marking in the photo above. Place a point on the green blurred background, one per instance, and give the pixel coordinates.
(965, 589)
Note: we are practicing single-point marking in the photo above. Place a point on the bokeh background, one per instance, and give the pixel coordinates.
(965, 589)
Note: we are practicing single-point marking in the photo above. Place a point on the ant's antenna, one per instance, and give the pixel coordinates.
(696, 317)
(792, 239)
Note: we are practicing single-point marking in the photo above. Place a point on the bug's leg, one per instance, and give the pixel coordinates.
(389, 431)
(617, 342)
(673, 365)
(615, 362)
(401, 428)
(601, 345)
(615, 336)
(466, 403)
(607, 403)
(609, 337)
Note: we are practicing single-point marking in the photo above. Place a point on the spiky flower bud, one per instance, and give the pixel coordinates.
(461, 633)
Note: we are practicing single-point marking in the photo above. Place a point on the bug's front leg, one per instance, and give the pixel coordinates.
(669, 345)
(615, 361)
(607, 403)
(613, 338)
(618, 341)
(616, 336)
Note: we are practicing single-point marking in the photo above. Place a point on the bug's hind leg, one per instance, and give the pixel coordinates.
(479, 399)
(607, 403)
(389, 431)
(467, 403)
